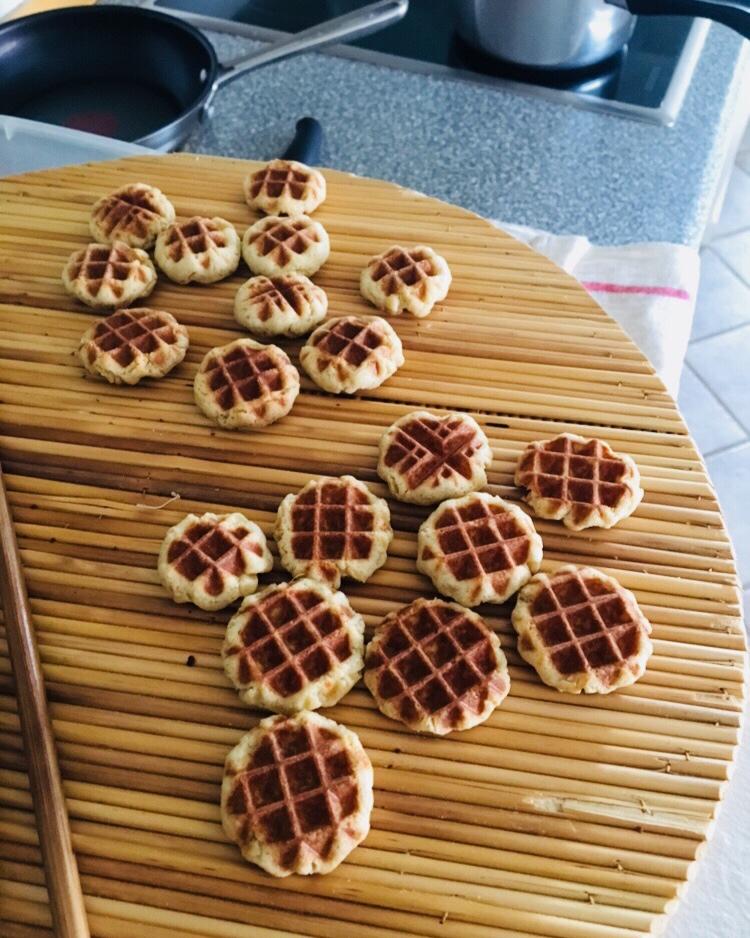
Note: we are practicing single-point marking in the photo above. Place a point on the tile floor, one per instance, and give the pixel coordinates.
(715, 389)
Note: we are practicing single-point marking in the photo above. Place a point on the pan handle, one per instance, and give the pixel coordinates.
(345, 28)
(307, 142)
(732, 13)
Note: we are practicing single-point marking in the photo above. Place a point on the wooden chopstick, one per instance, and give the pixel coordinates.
(61, 871)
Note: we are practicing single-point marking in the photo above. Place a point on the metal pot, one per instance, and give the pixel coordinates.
(568, 34)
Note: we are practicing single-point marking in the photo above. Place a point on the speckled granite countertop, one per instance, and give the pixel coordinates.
(519, 158)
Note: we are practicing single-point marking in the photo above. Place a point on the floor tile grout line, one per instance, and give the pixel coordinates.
(694, 342)
(723, 450)
(726, 260)
(718, 398)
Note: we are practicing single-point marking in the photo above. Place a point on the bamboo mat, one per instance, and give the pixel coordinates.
(560, 817)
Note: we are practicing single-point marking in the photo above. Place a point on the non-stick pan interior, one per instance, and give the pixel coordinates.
(118, 71)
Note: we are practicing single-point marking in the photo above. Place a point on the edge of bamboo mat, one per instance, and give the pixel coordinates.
(595, 841)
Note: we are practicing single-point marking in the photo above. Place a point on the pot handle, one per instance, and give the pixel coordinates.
(350, 26)
(732, 13)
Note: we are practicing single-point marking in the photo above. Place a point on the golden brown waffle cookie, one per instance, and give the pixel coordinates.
(245, 385)
(294, 646)
(582, 631)
(277, 245)
(436, 667)
(131, 344)
(289, 305)
(285, 187)
(333, 528)
(425, 458)
(105, 276)
(212, 560)
(408, 279)
(297, 794)
(352, 353)
(134, 214)
(478, 549)
(581, 482)
(199, 250)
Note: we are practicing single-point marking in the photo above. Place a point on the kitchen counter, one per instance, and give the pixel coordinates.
(501, 154)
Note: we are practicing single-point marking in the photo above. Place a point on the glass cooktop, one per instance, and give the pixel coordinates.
(647, 80)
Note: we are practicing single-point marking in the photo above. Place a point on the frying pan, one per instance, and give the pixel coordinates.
(137, 74)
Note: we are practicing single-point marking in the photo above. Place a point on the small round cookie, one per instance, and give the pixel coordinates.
(408, 279)
(289, 305)
(352, 353)
(436, 667)
(582, 631)
(297, 794)
(104, 276)
(131, 344)
(478, 549)
(294, 646)
(246, 385)
(285, 187)
(333, 528)
(199, 250)
(134, 214)
(212, 560)
(426, 459)
(581, 482)
(276, 245)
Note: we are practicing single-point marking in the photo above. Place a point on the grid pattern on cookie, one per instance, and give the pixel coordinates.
(212, 551)
(278, 178)
(430, 448)
(271, 294)
(399, 268)
(584, 474)
(196, 236)
(298, 789)
(480, 539)
(332, 521)
(282, 240)
(101, 266)
(290, 638)
(132, 210)
(350, 340)
(433, 660)
(586, 624)
(245, 375)
(128, 334)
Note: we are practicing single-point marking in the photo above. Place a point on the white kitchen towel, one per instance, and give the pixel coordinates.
(649, 288)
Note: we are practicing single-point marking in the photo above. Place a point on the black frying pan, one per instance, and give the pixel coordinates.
(135, 74)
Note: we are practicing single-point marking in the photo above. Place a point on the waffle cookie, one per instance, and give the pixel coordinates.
(245, 385)
(333, 528)
(297, 794)
(285, 187)
(582, 631)
(276, 245)
(133, 214)
(199, 250)
(426, 459)
(410, 280)
(352, 353)
(436, 667)
(212, 560)
(294, 646)
(109, 275)
(478, 549)
(131, 344)
(581, 482)
(289, 305)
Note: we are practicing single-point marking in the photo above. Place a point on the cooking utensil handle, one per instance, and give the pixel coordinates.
(307, 142)
(345, 28)
(732, 13)
(61, 871)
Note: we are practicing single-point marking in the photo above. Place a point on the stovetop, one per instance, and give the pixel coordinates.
(647, 80)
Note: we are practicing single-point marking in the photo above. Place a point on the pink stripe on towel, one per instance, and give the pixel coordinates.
(596, 286)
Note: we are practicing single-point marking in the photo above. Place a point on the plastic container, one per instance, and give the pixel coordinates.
(28, 145)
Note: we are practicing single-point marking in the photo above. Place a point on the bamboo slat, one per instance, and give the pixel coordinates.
(561, 817)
